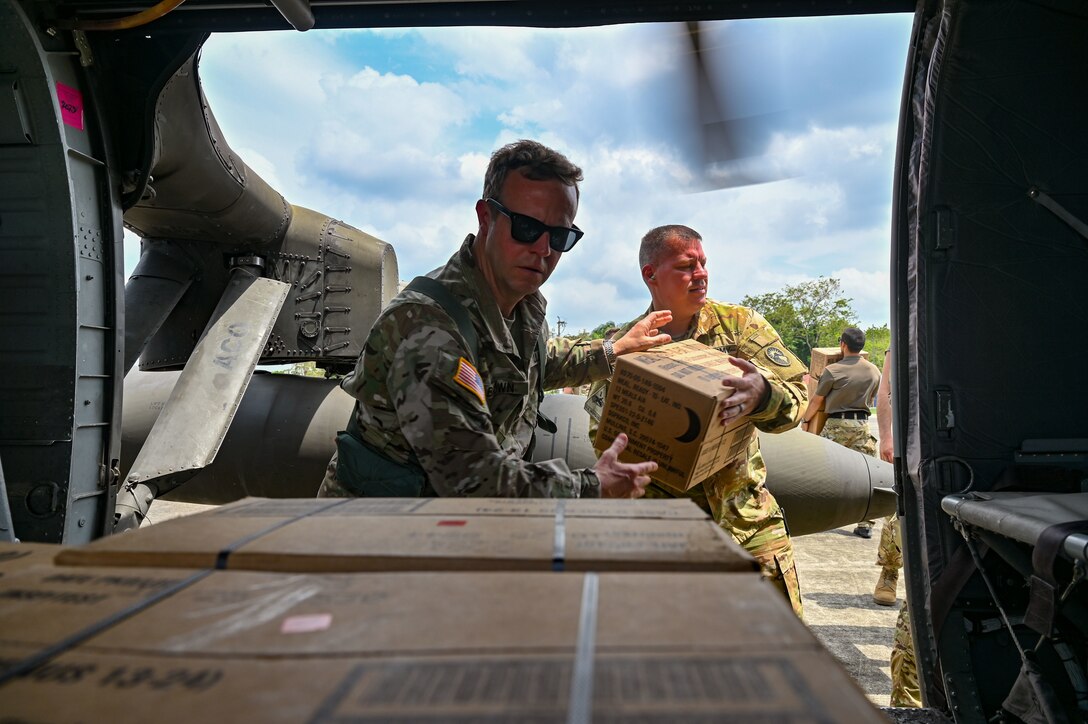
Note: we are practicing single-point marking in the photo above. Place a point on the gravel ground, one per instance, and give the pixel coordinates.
(838, 573)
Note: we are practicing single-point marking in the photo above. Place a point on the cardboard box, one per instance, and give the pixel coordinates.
(436, 534)
(424, 647)
(17, 556)
(818, 417)
(824, 356)
(666, 400)
(79, 600)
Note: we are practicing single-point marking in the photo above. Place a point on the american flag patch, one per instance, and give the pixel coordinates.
(469, 378)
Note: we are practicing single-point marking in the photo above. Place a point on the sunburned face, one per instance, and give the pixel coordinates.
(678, 281)
(514, 269)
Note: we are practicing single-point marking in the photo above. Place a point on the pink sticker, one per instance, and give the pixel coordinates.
(306, 624)
(71, 105)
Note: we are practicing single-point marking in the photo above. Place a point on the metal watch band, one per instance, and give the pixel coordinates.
(609, 355)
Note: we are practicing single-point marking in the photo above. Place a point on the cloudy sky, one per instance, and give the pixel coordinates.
(391, 131)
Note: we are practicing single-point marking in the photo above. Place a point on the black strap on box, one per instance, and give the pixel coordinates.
(41, 656)
(224, 554)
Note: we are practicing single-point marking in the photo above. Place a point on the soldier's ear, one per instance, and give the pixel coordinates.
(483, 216)
(648, 273)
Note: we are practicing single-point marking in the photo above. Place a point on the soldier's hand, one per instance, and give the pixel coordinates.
(887, 452)
(748, 392)
(622, 480)
(645, 334)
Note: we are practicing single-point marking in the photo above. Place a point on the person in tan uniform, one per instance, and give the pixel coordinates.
(845, 390)
(770, 393)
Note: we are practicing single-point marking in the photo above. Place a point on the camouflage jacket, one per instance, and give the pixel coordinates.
(421, 401)
(735, 494)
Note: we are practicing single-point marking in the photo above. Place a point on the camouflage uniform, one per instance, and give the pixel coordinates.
(735, 496)
(905, 688)
(854, 434)
(905, 691)
(418, 404)
(890, 552)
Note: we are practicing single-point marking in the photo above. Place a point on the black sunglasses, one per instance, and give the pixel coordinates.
(526, 229)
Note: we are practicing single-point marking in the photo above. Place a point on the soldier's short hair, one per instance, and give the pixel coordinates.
(657, 241)
(531, 159)
(853, 338)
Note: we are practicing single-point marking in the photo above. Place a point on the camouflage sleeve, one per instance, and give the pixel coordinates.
(443, 414)
(763, 347)
(574, 361)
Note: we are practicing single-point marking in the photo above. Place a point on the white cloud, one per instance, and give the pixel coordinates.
(387, 106)
(274, 69)
(820, 147)
(494, 53)
(262, 165)
(871, 292)
(391, 130)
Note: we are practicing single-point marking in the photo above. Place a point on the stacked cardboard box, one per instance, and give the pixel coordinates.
(824, 356)
(412, 534)
(667, 400)
(180, 646)
(17, 556)
(484, 633)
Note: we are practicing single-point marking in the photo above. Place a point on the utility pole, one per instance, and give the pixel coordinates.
(559, 324)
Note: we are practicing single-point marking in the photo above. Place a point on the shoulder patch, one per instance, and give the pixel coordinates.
(780, 358)
(467, 376)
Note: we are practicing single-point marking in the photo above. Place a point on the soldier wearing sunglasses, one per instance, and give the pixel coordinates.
(449, 382)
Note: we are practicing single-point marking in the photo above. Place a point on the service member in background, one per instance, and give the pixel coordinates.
(450, 378)
(770, 393)
(845, 390)
(905, 688)
(889, 555)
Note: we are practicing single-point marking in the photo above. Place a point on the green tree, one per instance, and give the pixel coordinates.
(602, 329)
(809, 314)
(877, 341)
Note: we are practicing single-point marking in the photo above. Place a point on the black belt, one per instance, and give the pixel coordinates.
(849, 415)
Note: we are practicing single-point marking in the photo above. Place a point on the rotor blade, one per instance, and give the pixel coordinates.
(189, 430)
(731, 146)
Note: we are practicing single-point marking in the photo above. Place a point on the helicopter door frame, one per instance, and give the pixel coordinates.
(62, 255)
